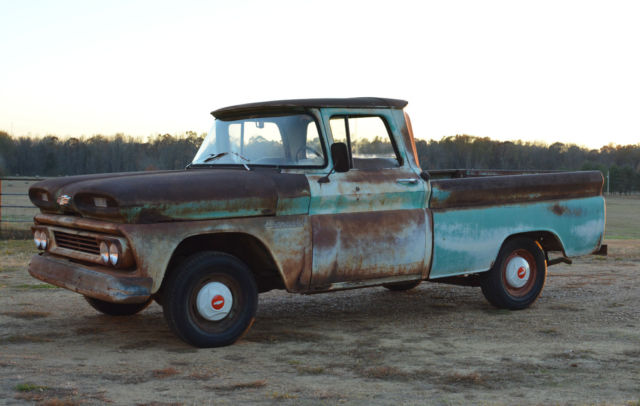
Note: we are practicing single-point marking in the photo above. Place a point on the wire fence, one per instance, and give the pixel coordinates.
(16, 210)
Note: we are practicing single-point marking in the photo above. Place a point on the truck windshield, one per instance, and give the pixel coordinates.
(278, 140)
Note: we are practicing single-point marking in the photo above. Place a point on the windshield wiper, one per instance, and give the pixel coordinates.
(213, 157)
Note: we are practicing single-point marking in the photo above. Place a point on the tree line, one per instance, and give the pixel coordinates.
(53, 156)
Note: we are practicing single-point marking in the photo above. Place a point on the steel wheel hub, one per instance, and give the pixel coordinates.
(517, 272)
(214, 301)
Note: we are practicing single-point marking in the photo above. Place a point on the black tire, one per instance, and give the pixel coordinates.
(515, 256)
(117, 309)
(402, 286)
(196, 274)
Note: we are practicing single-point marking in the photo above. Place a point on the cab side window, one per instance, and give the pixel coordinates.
(368, 140)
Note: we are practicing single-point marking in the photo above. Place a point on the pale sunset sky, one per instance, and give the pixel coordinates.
(548, 71)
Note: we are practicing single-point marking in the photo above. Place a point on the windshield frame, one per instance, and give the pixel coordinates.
(267, 114)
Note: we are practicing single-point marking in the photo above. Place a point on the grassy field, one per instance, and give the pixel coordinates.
(623, 218)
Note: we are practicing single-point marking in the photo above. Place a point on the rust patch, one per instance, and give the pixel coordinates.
(506, 189)
(93, 281)
(558, 210)
(367, 245)
(286, 238)
(196, 194)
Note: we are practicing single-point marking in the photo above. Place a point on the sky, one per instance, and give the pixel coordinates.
(539, 71)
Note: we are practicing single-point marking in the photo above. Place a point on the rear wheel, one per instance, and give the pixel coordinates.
(117, 309)
(210, 299)
(518, 275)
(402, 286)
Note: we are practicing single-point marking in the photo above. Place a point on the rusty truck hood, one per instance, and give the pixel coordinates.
(195, 194)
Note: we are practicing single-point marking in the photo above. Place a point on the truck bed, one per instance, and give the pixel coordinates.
(474, 212)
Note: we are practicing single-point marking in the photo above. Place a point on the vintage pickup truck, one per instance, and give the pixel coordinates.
(309, 196)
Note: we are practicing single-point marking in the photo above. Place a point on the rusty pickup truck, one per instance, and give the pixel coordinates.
(310, 196)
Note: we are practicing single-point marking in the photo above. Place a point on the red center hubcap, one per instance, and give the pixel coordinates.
(217, 302)
(522, 272)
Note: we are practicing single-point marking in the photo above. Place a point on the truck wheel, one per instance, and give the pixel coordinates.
(117, 309)
(397, 287)
(210, 299)
(517, 277)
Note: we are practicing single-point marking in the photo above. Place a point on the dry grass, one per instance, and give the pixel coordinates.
(165, 373)
(46, 396)
(384, 372)
(239, 386)
(27, 315)
(36, 286)
(94, 330)
(283, 396)
(550, 332)
(26, 338)
(465, 379)
(624, 249)
(282, 336)
(59, 402)
(15, 254)
(201, 376)
(307, 370)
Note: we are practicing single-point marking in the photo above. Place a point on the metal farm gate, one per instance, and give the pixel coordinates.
(16, 210)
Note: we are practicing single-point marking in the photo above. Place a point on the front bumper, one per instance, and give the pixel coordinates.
(93, 281)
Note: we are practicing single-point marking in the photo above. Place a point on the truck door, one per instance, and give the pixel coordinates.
(369, 225)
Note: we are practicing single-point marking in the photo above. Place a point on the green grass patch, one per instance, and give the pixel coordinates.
(30, 387)
(623, 218)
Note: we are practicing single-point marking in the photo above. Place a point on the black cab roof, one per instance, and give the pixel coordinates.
(301, 104)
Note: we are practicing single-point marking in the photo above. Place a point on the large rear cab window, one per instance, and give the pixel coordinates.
(368, 139)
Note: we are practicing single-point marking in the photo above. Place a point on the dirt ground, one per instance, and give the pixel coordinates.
(437, 344)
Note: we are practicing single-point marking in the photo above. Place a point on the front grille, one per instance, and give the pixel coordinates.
(76, 242)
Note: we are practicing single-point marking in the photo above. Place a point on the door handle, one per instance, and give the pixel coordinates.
(407, 181)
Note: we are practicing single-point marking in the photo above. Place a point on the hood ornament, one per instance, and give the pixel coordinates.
(63, 200)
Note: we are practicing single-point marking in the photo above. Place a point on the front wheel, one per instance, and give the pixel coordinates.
(210, 299)
(518, 275)
(117, 309)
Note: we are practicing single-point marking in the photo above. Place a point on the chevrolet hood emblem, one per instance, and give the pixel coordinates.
(63, 200)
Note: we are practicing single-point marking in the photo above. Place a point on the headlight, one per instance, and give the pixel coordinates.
(104, 252)
(40, 239)
(100, 201)
(114, 254)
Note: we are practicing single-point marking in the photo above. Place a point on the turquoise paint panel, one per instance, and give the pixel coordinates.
(365, 191)
(350, 203)
(201, 210)
(439, 194)
(468, 240)
(293, 205)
